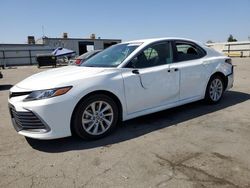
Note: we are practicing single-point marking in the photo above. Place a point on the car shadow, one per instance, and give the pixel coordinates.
(140, 126)
(5, 87)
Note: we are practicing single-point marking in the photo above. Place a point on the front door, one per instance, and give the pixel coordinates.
(149, 81)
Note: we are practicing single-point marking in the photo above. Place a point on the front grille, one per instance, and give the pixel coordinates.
(26, 121)
(17, 94)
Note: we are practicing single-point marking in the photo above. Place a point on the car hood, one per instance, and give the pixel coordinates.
(58, 77)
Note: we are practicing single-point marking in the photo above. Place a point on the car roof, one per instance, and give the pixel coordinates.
(161, 39)
(145, 42)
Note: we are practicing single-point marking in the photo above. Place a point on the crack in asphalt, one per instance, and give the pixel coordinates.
(21, 176)
(32, 176)
(192, 173)
(32, 182)
(103, 172)
(223, 157)
(93, 177)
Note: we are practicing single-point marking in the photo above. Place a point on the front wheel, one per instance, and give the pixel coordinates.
(95, 117)
(215, 89)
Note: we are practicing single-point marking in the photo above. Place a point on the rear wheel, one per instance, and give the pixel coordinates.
(215, 89)
(95, 117)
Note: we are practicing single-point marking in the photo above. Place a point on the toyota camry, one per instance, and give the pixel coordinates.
(124, 81)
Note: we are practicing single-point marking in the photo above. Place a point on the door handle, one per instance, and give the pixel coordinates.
(174, 69)
(135, 71)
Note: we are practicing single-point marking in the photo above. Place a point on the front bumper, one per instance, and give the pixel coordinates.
(27, 121)
(54, 114)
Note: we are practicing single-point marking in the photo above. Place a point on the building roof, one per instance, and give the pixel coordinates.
(55, 38)
(10, 44)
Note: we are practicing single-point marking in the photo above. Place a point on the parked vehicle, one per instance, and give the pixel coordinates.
(125, 81)
(80, 59)
(1, 75)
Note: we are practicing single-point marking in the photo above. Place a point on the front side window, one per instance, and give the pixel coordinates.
(186, 51)
(112, 56)
(155, 55)
(150, 53)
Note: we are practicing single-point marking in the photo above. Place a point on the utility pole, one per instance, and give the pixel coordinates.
(43, 31)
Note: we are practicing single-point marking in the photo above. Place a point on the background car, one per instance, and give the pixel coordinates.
(122, 82)
(80, 59)
(1, 75)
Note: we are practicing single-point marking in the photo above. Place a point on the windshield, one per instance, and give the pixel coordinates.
(87, 54)
(112, 56)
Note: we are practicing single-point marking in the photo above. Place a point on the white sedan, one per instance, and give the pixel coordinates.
(125, 81)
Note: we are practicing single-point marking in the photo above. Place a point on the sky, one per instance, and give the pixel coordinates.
(200, 20)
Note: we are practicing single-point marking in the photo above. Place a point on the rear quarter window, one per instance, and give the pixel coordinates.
(188, 51)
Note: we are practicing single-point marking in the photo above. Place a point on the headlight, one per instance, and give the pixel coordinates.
(48, 93)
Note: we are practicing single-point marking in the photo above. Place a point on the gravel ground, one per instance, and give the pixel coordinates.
(195, 145)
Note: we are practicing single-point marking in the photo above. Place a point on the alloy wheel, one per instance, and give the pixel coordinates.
(216, 89)
(97, 117)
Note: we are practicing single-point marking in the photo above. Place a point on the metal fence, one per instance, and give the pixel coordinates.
(240, 50)
(13, 57)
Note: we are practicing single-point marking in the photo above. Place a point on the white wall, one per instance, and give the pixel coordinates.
(235, 47)
(21, 54)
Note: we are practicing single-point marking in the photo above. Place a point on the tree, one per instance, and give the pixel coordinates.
(209, 42)
(231, 38)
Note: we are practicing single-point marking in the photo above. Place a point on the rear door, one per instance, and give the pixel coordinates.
(188, 60)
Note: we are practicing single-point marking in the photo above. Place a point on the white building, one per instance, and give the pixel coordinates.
(79, 45)
(233, 49)
(25, 54)
(21, 54)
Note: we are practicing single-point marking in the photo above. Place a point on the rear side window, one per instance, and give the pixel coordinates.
(188, 51)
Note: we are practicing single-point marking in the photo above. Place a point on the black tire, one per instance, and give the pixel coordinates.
(77, 125)
(208, 97)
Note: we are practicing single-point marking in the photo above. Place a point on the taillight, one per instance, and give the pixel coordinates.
(78, 62)
(229, 61)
